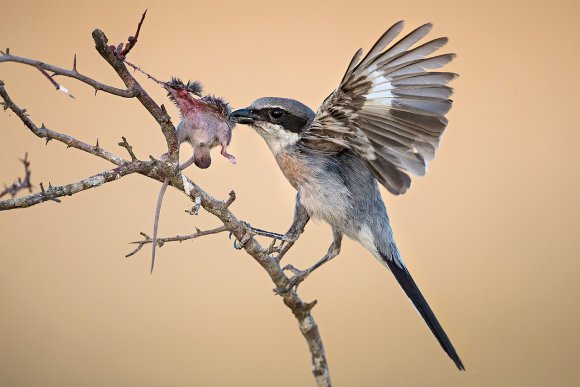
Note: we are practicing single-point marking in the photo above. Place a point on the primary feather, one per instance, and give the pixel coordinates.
(389, 108)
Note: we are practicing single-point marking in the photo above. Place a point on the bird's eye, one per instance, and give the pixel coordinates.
(276, 113)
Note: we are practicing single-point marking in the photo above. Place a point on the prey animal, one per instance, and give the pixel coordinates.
(383, 122)
(206, 122)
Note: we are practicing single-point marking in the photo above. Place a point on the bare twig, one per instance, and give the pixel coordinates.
(177, 238)
(132, 40)
(44, 132)
(21, 183)
(70, 189)
(230, 199)
(58, 86)
(139, 69)
(129, 148)
(126, 93)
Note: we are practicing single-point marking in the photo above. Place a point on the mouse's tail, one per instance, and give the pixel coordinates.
(156, 222)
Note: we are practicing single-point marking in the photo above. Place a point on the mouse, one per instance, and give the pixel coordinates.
(206, 122)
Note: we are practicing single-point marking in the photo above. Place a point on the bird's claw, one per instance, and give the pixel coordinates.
(238, 245)
(275, 249)
(252, 231)
(297, 278)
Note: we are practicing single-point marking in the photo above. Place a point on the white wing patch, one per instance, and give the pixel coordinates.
(389, 108)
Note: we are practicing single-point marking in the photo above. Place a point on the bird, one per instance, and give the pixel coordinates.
(383, 122)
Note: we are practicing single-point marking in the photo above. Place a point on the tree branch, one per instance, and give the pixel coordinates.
(131, 41)
(44, 132)
(125, 93)
(70, 189)
(177, 238)
(20, 184)
(299, 308)
(159, 113)
(159, 170)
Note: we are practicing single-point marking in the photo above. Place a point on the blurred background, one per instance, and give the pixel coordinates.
(490, 234)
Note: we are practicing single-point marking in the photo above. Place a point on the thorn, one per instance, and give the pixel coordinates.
(42, 126)
(197, 230)
(231, 198)
(48, 140)
(310, 305)
(97, 143)
(49, 185)
(7, 51)
(41, 187)
(96, 92)
(75, 64)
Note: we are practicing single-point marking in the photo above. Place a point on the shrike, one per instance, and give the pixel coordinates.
(383, 122)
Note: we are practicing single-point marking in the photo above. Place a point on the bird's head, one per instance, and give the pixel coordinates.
(280, 121)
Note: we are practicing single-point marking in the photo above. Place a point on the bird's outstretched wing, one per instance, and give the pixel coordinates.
(389, 108)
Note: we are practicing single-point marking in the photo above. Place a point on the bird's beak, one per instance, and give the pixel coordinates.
(244, 116)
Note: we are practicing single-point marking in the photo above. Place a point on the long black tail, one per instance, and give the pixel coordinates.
(412, 291)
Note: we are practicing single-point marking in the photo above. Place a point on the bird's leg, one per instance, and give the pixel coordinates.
(300, 275)
(251, 232)
(301, 217)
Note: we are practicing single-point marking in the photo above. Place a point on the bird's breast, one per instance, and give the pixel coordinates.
(323, 194)
(293, 168)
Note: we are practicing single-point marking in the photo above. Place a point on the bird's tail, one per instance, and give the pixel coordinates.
(412, 291)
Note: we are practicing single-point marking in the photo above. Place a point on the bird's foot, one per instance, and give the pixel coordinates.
(275, 248)
(297, 278)
(252, 231)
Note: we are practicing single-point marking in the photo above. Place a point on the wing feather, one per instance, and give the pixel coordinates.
(389, 107)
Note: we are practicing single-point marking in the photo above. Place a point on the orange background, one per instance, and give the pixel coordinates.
(490, 234)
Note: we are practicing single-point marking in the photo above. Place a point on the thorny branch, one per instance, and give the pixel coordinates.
(131, 41)
(160, 170)
(98, 86)
(21, 183)
(178, 238)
